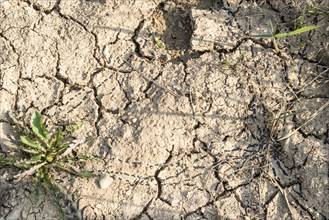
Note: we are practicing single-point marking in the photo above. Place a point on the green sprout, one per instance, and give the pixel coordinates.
(275, 36)
(287, 34)
(157, 42)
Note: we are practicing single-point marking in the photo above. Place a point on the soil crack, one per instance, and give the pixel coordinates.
(157, 172)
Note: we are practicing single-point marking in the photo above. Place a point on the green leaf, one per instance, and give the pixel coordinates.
(5, 161)
(38, 128)
(81, 157)
(37, 157)
(295, 32)
(276, 48)
(159, 43)
(2, 156)
(22, 165)
(286, 34)
(261, 36)
(30, 151)
(272, 28)
(61, 149)
(31, 143)
(10, 160)
(86, 174)
(58, 137)
(49, 159)
(227, 63)
(74, 127)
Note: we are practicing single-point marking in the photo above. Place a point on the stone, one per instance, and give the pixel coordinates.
(105, 181)
(15, 213)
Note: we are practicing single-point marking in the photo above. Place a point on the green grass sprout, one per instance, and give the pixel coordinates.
(157, 42)
(286, 34)
(275, 36)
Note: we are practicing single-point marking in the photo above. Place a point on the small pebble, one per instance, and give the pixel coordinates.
(5, 4)
(97, 212)
(106, 52)
(15, 213)
(180, 25)
(168, 6)
(105, 181)
(24, 214)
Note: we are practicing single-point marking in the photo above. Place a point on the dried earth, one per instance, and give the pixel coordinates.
(190, 119)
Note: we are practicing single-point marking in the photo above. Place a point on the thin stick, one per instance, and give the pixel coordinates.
(315, 78)
(292, 210)
(307, 121)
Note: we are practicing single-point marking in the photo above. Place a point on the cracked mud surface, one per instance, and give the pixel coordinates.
(185, 131)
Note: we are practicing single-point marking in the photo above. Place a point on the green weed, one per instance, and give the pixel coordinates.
(230, 65)
(43, 155)
(227, 64)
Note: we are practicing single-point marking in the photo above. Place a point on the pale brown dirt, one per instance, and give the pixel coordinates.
(185, 132)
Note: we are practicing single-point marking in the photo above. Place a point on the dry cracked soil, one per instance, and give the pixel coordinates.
(188, 116)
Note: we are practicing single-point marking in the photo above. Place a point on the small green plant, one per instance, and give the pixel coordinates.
(228, 64)
(157, 42)
(275, 36)
(47, 152)
(42, 155)
(231, 65)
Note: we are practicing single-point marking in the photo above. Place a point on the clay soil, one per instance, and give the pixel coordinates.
(188, 117)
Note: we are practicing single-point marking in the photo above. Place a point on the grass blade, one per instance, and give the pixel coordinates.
(286, 34)
(275, 45)
(261, 36)
(295, 32)
(58, 137)
(2, 157)
(86, 174)
(61, 149)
